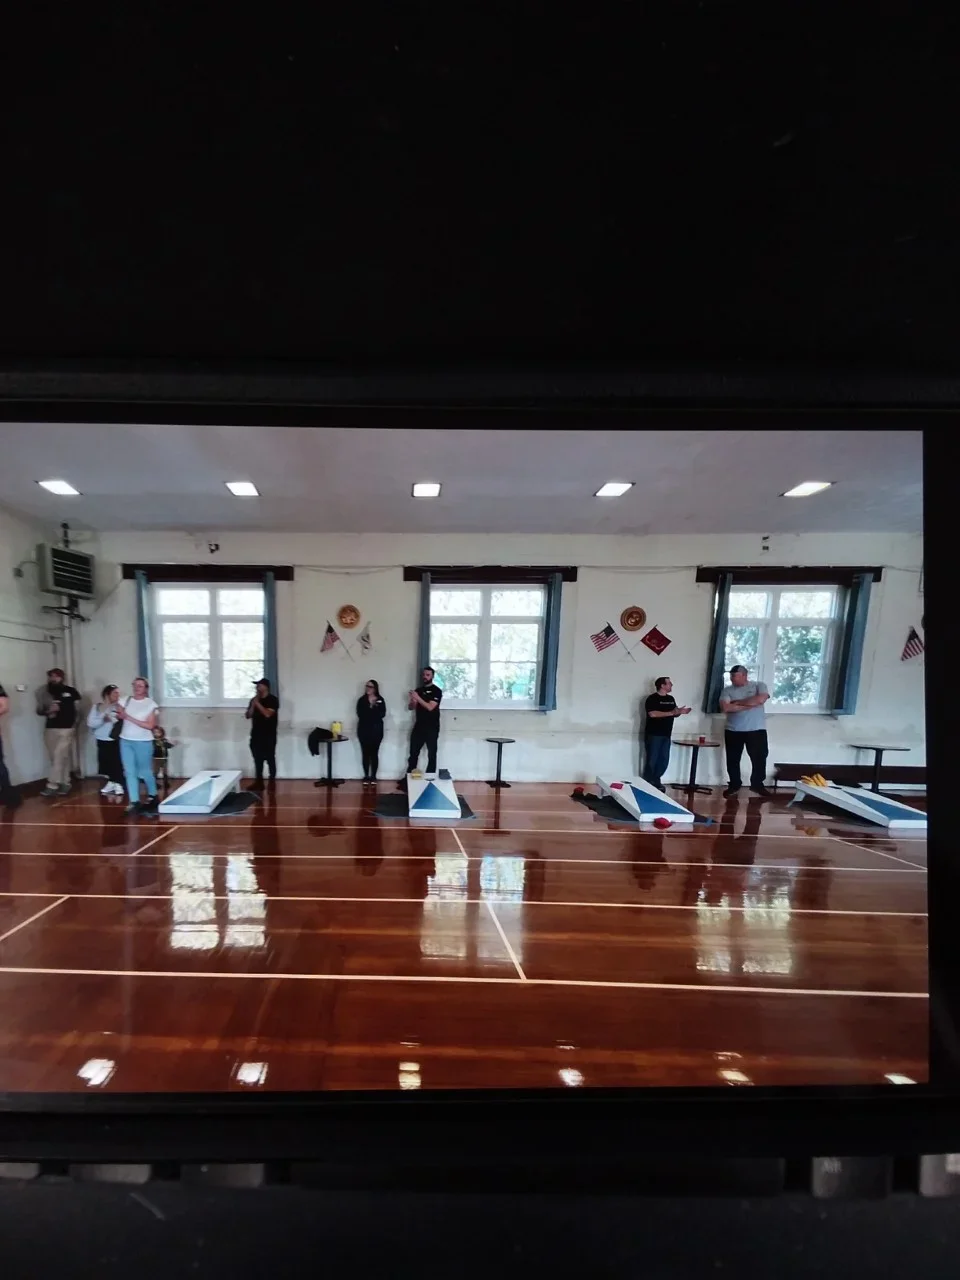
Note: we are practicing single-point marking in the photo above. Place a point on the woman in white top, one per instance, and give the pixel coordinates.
(102, 719)
(139, 716)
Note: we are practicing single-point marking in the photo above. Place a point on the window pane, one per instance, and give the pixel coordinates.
(242, 640)
(513, 681)
(238, 678)
(185, 640)
(797, 685)
(806, 604)
(454, 604)
(800, 645)
(514, 642)
(237, 601)
(742, 646)
(178, 602)
(453, 640)
(749, 604)
(186, 679)
(526, 603)
(457, 679)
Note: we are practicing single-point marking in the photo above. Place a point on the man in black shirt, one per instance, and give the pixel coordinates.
(262, 714)
(58, 703)
(425, 700)
(661, 708)
(9, 798)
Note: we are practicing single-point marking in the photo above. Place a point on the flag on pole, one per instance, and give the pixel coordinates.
(330, 638)
(363, 639)
(914, 646)
(605, 638)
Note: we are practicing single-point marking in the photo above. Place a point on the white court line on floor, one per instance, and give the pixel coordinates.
(878, 853)
(214, 824)
(36, 916)
(150, 843)
(501, 902)
(266, 976)
(456, 836)
(506, 942)
(471, 857)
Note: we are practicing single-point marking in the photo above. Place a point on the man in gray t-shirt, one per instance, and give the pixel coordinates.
(742, 703)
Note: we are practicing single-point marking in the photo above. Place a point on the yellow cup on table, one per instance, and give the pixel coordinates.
(336, 728)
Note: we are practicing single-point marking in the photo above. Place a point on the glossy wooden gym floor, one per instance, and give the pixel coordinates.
(307, 945)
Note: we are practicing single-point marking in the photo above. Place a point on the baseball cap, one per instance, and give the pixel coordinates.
(263, 680)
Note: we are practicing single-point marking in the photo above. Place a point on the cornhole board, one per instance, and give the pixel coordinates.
(201, 793)
(864, 804)
(642, 800)
(432, 800)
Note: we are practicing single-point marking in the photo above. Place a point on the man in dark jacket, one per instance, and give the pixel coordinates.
(425, 701)
(58, 703)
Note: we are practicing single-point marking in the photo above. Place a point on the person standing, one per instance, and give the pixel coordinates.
(742, 703)
(661, 708)
(139, 716)
(262, 713)
(371, 712)
(9, 794)
(425, 701)
(103, 719)
(58, 703)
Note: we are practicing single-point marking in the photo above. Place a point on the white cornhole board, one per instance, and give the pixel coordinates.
(865, 804)
(201, 793)
(642, 800)
(432, 799)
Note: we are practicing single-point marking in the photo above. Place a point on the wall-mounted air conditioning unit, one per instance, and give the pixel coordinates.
(64, 572)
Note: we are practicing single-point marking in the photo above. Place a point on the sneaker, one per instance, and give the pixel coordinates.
(731, 792)
(65, 789)
(49, 792)
(117, 789)
(761, 791)
(107, 789)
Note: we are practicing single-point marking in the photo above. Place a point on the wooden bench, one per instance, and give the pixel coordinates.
(852, 775)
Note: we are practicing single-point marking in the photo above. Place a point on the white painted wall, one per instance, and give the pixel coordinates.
(596, 724)
(25, 654)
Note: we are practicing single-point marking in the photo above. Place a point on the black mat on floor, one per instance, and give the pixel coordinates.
(394, 805)
(235, 802)
(606, 807)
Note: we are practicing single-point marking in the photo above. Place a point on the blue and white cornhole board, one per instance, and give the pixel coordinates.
(432, 799)
(201, 793)
(642, 800)
(865, 804)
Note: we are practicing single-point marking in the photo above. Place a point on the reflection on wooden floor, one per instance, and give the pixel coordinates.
(308, 945)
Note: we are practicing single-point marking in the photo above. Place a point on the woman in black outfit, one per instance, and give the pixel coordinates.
(371, 710)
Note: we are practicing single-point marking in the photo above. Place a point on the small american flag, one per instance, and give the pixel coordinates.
(914, 646)
(605, 638)
(330, 638)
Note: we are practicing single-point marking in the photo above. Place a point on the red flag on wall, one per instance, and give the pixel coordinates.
(655, 640)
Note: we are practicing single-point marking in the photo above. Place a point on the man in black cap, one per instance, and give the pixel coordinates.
(262, 714)
(58, 703)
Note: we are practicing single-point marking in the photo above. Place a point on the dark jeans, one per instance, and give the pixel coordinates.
(424, 736)
(108, 760)
(264, 753)
(756, 743)
(656, 757)
(4, 776)
(370, 755)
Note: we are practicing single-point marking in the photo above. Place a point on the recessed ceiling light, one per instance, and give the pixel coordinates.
(242, 489)
(613, 489)
(426, 489)
(59, 487)
(807, 488)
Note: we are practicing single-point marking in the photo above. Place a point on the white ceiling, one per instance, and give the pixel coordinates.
(357, 480)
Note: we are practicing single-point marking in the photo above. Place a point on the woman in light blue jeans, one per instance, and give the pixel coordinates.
(139, 716)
